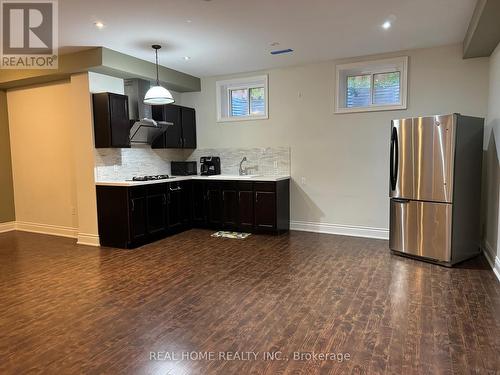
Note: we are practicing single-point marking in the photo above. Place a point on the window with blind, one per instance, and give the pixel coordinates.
(372, 85)
(242, 99)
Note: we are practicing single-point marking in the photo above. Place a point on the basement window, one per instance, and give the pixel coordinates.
(379, 85)
(242, 99)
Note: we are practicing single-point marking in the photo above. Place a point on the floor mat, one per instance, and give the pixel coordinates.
(226, 234)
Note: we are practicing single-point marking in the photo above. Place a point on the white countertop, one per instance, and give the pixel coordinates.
(219, 177)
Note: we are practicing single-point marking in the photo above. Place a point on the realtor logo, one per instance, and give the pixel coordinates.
(29, 34)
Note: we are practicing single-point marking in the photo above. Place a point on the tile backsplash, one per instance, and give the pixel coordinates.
(265, 161)
(113, 164)
(118, 164)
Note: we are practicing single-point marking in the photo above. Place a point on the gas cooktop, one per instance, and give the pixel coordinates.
(151, 178)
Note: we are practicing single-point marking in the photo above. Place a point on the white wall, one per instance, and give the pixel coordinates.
(343, 158)
(491, 189)
(103, 83)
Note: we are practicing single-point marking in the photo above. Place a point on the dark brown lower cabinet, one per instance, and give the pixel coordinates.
(214, 205)
(265, 210)
(187, 203)
(156, 215)
(137, 215)
(175, 206)
(132, 216)
(230, 206)
(199, 197)
(243, 206)
(246, 207)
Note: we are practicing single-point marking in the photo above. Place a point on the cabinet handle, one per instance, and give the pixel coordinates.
(239, 196)
(164, 199)
(176, 189)
(256, 197)
(133, 205)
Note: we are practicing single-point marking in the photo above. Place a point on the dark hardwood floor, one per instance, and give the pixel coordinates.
(68, 309)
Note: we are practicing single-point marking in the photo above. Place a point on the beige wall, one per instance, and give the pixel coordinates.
(83, 159)
(52, 158)
(342, 158)
(7, 213)
(492, 168)
(40, 133)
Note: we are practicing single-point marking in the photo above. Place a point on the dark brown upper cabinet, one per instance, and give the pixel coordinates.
(111, 120)
(182, 134)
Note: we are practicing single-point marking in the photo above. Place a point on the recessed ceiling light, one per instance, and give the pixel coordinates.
(99, 25)
(187, 58)
(386, 25)
(189, 21)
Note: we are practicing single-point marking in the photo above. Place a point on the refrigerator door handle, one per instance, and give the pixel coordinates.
(401, 200)
(394, 162)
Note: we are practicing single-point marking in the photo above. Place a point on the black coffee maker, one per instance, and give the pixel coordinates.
(210, 165)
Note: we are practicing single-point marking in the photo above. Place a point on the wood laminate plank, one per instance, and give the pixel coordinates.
(72, 309)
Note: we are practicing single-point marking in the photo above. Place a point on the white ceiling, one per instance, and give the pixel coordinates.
(230, 36)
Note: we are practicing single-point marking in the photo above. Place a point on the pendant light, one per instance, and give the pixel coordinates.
(158, 95)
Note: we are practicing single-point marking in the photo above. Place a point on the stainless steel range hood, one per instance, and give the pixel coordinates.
(144, 129)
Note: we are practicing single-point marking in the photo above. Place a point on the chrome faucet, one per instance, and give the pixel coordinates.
(243, 172)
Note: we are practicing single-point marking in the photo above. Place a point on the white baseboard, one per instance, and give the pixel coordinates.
(492, 259)
(7, 227)
(54, 230)
(88, 239)
(345, 230)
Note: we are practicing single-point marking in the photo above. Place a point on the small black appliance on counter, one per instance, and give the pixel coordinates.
(183, 168)
(210, 165)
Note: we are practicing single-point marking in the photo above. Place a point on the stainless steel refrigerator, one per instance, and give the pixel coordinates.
(435, 187)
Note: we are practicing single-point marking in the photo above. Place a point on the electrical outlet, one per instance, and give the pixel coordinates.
(73, 211)
(276, 164)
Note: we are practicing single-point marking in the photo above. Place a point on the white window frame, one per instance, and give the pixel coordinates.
(223, 94)
(372, 67)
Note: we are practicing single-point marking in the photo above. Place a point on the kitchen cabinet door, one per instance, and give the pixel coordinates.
(246, 209)
(111, 120)
(230, 206)
(156, 215)
(186, 204)
(120, 122)
(214, 205)
(188, 118)
(172, 138)
(137, 218)
(175, 206)
(265, 210)
(198, 200)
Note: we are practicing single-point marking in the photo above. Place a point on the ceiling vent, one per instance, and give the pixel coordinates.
(281, 51)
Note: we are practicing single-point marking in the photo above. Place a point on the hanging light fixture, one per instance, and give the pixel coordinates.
(158, 95)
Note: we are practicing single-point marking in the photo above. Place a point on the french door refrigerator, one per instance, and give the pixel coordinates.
(435, 187)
